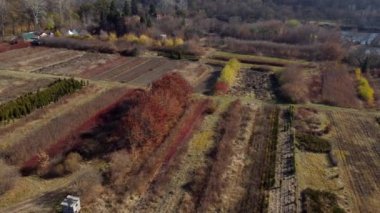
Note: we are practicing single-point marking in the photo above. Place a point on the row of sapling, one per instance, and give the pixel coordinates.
(59, 131)
(26, 104)
(273, 140)
(228, 76)
(221, 156)
(256, 173)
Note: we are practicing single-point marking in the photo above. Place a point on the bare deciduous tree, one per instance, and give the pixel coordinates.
(3, 15)
(38, 8)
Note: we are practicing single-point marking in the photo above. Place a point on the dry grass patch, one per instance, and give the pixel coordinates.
(313, 171)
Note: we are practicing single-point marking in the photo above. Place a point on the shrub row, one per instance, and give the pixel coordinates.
(221, 155)
(228, 76)
(157, 110)
(76, 44)
(319, 201)
(313, 143)
(315, 52)
(25, 104)
(273, 140)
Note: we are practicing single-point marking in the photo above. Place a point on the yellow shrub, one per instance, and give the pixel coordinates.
(145, 40)
(365, 91)
(230, 72)
(169, 42)
(293, 23)
(58, 34)
(235, 64)
(178, 42)
(202, 141)
(228, 75)
(358, 73)
(157, 43)
(112, 37)
(131, 37)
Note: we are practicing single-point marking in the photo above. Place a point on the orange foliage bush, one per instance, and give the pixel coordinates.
(157, 110)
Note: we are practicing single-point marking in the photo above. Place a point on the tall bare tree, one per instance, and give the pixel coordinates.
(38, 9)
(3, 15)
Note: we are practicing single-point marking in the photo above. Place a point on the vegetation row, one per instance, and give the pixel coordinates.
(228, 76)
(273, 140)
(143, 120)
(366, 92)
(26, 104)
(313, 143)
(320, 201)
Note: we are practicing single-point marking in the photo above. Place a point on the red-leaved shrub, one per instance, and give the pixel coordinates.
(156, 111)
(221, 88)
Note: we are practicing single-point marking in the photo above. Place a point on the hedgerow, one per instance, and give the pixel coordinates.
(228, 76)
(320, 201)
(26, 104)
(313, 143)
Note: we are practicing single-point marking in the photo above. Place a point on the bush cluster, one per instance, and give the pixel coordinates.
(8, 177)
(366, 92)
(76, 44)
(157, 110)
(228, 76)
(148, 41)
(69, 165)
(273, 140)
(328, 51)
(27, 103)
(313, 143)
(294, 84)
(320, 201)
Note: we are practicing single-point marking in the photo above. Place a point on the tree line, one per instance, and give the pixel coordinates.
(18, 16)
(27, 103)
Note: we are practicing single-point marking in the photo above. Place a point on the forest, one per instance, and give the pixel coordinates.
(169, 16)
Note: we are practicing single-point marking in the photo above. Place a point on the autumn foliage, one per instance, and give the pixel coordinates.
(366, 92)
(228, 76)
(157, 110)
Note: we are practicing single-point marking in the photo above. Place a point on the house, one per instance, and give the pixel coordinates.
(71, 204)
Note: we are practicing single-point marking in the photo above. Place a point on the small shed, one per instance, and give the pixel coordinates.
(71, 204)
